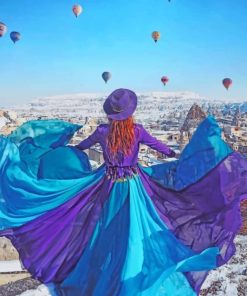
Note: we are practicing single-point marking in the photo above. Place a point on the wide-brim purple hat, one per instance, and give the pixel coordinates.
(120, 104)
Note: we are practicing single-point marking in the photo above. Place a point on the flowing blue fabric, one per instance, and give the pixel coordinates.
(33, 166)
(36, 137)
(133, 253)
(204, 152)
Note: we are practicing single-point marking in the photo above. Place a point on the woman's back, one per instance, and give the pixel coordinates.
(119, 159)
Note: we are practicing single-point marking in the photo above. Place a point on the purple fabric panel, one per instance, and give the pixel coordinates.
(51, 245)
(205, 214)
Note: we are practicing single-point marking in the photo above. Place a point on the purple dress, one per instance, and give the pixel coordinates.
(123, 229)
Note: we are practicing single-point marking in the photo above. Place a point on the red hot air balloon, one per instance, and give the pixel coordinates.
(3, 29)
(227, 82)
(77, 9)
(164, 80)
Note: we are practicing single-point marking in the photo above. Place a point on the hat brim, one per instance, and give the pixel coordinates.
(120, 115)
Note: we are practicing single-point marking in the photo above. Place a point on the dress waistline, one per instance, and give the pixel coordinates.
(121, 173)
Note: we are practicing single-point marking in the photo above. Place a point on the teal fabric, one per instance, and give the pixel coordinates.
(33, 164)
(36, 137)
(196, 160)
(63, 163)
(137, 255)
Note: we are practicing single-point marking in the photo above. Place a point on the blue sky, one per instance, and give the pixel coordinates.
(201, 43)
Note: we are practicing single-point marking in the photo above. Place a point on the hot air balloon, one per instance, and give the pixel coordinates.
(156, 36)
(3, 29)
(164, 80)
(227, 82)
(77, 9)
(106, 76)
(15, 36)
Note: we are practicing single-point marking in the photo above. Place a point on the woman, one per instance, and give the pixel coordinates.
(123, 229)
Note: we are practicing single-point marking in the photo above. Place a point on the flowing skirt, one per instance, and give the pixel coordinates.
(158, 233)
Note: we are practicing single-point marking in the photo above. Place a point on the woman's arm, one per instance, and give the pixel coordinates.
(155, 144)
(90, 141)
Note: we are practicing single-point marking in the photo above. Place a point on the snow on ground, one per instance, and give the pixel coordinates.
(10, 266)
(42, 290)
(229, 280)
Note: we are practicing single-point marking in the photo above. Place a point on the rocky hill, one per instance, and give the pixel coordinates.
(244, 215)
(7, 251)
(193, 118)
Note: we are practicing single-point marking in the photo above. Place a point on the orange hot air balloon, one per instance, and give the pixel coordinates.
(77, 9)
(227, 82)
(3, 29)
(156, 36)
(164, 80)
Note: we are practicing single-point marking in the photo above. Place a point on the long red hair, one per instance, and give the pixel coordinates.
(121, 136)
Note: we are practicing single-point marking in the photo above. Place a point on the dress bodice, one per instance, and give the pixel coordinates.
(126, 164)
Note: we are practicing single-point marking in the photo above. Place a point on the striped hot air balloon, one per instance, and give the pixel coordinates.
(77, 9)
(3, 29)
